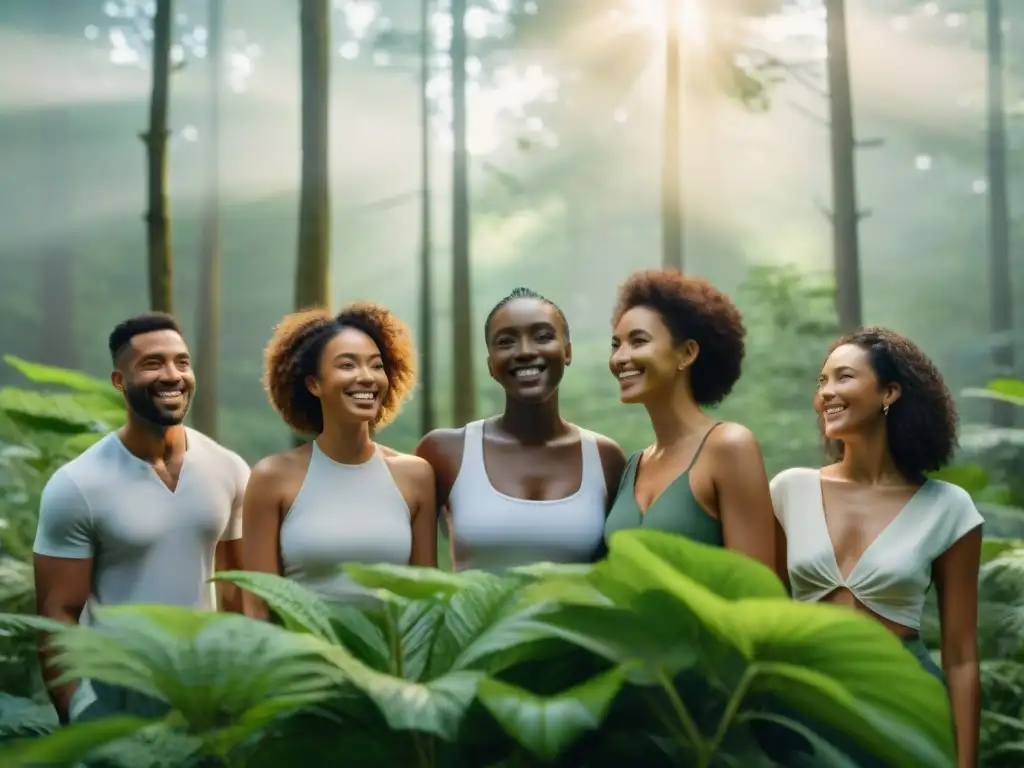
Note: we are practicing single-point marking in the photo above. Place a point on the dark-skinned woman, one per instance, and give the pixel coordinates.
(525, 486)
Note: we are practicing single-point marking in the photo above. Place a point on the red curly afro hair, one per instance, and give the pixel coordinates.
(694, 309)
(294, 350)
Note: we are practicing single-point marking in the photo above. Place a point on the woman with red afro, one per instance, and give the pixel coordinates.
(677, 348)
(342, 498)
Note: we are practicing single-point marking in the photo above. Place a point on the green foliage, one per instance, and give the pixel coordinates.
(40, 429)
(668, 650)
(790, 319)
(1001, 588)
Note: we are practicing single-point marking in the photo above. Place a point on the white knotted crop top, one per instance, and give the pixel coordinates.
(893, 576)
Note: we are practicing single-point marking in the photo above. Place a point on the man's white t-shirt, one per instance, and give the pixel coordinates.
(148, 544)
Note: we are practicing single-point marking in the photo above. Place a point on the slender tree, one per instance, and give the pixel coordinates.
(158, 229)
(672, 232)
(464, 391)
(427, 416)
(208, 322)
(1000, 281)
(845, 214)
(312, 276)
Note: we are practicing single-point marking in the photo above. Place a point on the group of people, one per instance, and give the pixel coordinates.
(151, 510)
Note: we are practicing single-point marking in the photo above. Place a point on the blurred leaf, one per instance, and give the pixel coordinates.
(992, 548)
(300, 608)
(71, 744)
(973, 478)
(548, 725)
(1003, 390)
(66, 414)
(80, 382)
(413, 582)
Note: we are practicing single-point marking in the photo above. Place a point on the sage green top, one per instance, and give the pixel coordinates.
(675, 510)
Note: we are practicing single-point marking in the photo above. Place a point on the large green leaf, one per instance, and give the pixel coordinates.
(841, 669)
(547, 725)
(725, 573)
(1004, 390)
(21, 717)
(71, 744)
(46, 412)
(823, 750)
(548, 571)
(408, 633)
(218, 670)
(435, 707)
(154, 747)
(562, 586)
(993, 548)
(17, 589)
(77, 444)
(487, 626)
(973, 478)
(873, 690)
(414, 582)
(633, 569)
(299, 608)
(74, 380)
(650, 643)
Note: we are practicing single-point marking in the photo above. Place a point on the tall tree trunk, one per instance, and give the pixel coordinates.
(845, 214)
(671, 174)
(427, 416)
(208, 325)
(158, 229)
(313, 265)
(55, 276)
(1000, 281)
(464, 390)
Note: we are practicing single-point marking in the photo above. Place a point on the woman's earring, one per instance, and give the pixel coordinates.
(885, 409)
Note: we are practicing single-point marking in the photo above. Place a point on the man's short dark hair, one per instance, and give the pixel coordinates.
(147, 322)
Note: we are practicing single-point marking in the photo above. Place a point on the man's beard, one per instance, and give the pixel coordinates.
(142, 401)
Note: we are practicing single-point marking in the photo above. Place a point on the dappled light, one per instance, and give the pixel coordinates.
(605, 271)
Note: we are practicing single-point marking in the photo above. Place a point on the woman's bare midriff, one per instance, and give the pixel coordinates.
(845, 598)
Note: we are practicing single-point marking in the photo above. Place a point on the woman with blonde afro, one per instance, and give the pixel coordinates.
(342, 498)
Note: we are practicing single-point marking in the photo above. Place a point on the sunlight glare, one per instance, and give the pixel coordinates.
(129, 38)
(651, 14)
(494, 108)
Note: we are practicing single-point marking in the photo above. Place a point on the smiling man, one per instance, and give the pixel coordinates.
(143, 516)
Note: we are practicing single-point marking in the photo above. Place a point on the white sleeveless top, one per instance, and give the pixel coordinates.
(894, 574)
(493, 532)
(344, 513)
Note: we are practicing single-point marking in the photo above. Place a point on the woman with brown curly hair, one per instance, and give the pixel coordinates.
(677, 348)
(871, 531)
(341, 498)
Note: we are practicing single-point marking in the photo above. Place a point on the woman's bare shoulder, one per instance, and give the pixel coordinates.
(406, 465)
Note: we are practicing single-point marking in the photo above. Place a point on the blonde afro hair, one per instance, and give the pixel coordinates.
(293, 354)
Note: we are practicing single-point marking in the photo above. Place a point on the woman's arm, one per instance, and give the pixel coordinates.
(442, 449)
(424, 516)
(956, 582)
(744, 501)
(613, 462)
(261, 531)
(777, 489)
